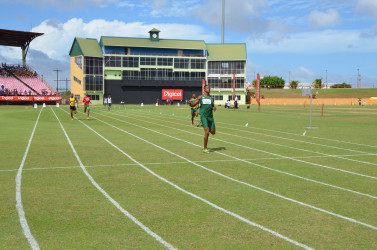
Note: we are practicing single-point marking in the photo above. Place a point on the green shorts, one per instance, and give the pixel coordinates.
(194, 110)
(208, 122)
(86, 107)
(109, 104)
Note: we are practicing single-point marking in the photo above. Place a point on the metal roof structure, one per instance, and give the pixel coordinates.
(226, 52)
(85, 47)
(20, 39)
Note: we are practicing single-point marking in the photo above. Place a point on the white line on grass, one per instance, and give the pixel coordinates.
(115, 203)
(279, 137)
(198, 197)
(20, 208)
(241, 182)
(282, 156)
(288, 133)
(238, 159)
(164, 163)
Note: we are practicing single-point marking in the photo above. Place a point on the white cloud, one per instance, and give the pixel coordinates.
(316, 42)
(367, 6)
(318, 19)
(66, 4)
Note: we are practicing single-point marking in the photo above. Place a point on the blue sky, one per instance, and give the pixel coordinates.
(296, 40)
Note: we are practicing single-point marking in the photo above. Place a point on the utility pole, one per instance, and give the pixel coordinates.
(57, 79)
(66, 83)
(223, 22)
(358, 78)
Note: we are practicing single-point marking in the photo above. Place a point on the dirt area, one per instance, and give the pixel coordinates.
(296, 101)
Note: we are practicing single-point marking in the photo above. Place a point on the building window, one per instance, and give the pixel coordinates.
(130, 75)
(230, 97)
(165, 61)
(77, 80)
(181, 63)
(130, 62)
(198, 64)
(113, 61)
(147, 60)
(93, 83)
(231, 67)
(78, 61)
(93, 66)
(218, 97)
(94, 97)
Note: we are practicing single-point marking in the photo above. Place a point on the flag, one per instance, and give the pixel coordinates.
(258, 90)
(203, 83)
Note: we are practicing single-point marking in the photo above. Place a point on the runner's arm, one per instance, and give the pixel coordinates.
(193, 104)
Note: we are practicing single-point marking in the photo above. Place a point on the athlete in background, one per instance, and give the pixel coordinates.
(87, 101)
(194, 110)
(72, 105)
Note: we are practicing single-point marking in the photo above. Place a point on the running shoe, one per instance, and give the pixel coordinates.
(206, 151)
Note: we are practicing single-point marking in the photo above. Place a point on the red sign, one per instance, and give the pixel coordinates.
(203, 83)
(258, 89)
(172, 94)
(30, 98)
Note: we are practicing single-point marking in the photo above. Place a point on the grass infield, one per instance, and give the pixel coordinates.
(145, 183)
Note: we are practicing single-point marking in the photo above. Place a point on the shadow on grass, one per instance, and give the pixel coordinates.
(218, 149)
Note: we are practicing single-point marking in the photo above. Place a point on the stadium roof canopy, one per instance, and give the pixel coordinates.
(20, 39)
(226, 52)
(147, 43)
(85, 47)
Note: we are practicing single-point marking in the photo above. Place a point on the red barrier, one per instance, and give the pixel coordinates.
(30, 98)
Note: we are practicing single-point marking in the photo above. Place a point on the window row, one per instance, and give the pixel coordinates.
(162, 74)
(237, 67)
(134, 62)
(93, 66)
(226, 82)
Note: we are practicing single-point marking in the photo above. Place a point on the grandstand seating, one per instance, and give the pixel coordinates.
(37, 84)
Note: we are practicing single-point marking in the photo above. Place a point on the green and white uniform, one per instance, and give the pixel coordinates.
(205, 111)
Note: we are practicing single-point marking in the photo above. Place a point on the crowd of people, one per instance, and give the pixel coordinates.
(14, 92)
(17, 70)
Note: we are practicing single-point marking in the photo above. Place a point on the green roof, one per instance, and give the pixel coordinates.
(85, 47)
(147, 43)
(226, 52)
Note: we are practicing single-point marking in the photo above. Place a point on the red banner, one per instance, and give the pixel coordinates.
(258, 90)
(203, 83)
(30, 98)
(172, 94)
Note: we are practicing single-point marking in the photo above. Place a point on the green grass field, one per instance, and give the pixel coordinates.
(135, 177)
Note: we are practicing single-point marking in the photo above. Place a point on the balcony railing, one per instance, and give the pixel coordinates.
(151, 54)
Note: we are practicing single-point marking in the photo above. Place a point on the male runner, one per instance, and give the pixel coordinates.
(194, 110)
(72, 105)
(207, 106)
(87, 101)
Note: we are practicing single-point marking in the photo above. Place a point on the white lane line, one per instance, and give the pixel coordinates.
(279, 137)
(282, 156)
(196, 196)
(20, 208)
(238, 159)
(114, 202)
(288, 133)
(241, 182)
(167, 163)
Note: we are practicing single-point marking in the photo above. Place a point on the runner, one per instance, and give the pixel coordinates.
(72, 105)
(104, 101)
(207, 106)
(109, 102)
(194, 110)
(86, 101)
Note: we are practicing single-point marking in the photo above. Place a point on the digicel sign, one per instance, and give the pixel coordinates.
(172, 94)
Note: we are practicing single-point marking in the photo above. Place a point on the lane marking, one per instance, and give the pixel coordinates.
(282, 156)
(246, 161)
(241, 182)
(284, 138)
(114, 202)
(194, 195)
(19, 206)
(164, 163)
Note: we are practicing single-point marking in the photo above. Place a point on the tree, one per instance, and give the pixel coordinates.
(341, 85)
(294, 84)
(272, 81)
(317, 83)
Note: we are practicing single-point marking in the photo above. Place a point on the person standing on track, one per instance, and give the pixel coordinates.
(109, 102)
(72, 105)
(194, 110)
(207, 106)
(87, 101)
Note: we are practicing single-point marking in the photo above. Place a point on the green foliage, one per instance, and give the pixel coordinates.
(341, 85)
(317, 83)
(272, 81)
(293, 84)
(254, 83)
